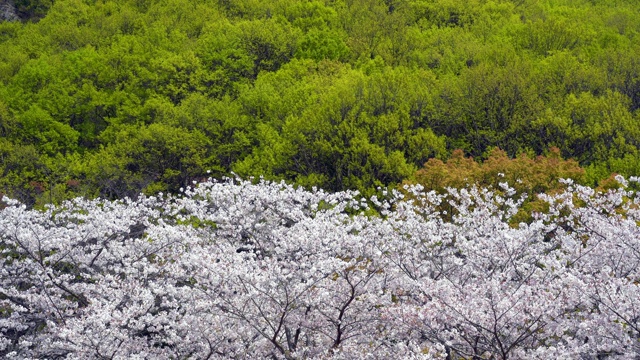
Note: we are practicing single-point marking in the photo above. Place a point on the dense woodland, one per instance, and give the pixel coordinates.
(111, 98)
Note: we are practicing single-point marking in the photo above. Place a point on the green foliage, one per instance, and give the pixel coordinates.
(357, 130)
(320, 45)
(32, 9)
(270, 43)
(113, 97)
(152, 158)
(40, 129)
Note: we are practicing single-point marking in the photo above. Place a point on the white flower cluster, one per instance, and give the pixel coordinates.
(239, 270)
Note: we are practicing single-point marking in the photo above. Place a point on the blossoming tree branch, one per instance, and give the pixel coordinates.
(240, 270)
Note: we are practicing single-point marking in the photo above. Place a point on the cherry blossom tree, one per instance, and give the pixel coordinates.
(240, 270)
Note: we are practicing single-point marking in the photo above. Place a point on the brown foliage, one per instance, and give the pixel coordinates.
(527, 175)
(524, 174)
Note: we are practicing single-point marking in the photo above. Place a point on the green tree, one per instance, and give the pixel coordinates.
(148, 158)
(32, 10)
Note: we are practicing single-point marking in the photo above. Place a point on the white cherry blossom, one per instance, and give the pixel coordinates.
(241, 270)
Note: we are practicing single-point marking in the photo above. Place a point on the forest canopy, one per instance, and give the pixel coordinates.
(111, 98)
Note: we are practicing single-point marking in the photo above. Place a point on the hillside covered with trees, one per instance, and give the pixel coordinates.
(111, 98)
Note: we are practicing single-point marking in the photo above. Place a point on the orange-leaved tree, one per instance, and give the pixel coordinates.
(525, 174)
